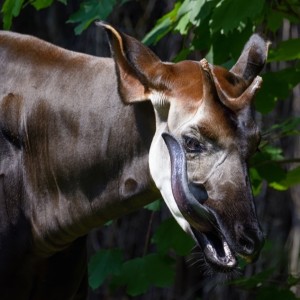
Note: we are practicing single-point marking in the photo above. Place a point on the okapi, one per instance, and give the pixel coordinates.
(84, 140)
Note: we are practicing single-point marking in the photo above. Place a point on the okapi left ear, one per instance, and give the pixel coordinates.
(237, 88)
(136, 65)
(252, 59)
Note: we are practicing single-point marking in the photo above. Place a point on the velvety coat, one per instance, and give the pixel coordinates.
(80, 135)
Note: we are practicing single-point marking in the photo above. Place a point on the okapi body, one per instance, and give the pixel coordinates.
(84, 140)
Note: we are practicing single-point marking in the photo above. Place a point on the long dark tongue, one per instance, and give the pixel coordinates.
(192, 210)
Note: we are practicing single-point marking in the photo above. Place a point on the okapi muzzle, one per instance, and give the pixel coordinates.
(219, 237)
(205, 135)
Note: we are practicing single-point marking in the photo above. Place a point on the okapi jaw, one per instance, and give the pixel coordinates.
(204, 136)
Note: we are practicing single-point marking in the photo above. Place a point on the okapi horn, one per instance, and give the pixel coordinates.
(209, 88)
(195, 213)
(212, 85)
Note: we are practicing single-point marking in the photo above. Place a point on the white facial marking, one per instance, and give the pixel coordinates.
(160, 169)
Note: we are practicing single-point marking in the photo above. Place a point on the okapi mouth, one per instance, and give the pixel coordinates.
(205, 230)
(216, 251)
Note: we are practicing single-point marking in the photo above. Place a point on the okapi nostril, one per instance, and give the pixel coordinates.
(247, 245)
(250, 239)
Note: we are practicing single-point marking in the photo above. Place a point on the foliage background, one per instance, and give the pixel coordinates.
(145, 254)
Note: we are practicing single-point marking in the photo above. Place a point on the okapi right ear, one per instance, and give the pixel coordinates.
(252, 59)
(137, 66)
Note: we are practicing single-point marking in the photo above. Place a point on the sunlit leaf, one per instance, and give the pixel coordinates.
(162, 26)
(189, 13)
(10, 9)
(230, 14)
(292, 178)
(256, 181)
(40, 4)
(91, 10)
(178, 19)
(182, 25)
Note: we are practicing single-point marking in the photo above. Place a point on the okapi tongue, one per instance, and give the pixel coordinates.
(198, 216)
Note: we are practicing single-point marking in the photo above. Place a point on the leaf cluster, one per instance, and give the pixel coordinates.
(139, 274)
(217, 30)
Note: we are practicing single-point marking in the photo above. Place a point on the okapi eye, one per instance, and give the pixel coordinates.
(192, 145)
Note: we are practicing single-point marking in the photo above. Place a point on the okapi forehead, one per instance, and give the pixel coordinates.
(185, 84)
(188, 104)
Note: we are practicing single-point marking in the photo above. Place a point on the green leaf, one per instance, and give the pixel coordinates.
(169, 235)
(231, 14)
(178, 19)
(233, 42)
(182, 25)
(253, 281)
(10, 9)
(274, 292)
(267, 154)
(291, 281)
(287, 127)
(272, 172)
(274, 20)
(189, 13)
(154, 206)
(287, 50)
(276, 85)
(139, 274)
(183, 54)
(162, 26)
(89, 11)
(40, 4)
(103, 264)
(266, 166)
(160, 270)
(292, 178)
(256, 181)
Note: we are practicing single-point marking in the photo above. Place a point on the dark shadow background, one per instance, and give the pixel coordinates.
(279, 212)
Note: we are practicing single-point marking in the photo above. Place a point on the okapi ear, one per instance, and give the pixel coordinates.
(136, 65)
(237, 88)
(252, 59)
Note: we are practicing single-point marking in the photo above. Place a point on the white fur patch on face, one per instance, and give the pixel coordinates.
(160, 169)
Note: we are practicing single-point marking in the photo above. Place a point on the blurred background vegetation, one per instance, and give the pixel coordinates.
(145, 254)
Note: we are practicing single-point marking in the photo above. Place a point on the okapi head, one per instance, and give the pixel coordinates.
(205, 134)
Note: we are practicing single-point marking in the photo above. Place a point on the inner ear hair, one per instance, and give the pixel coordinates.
(252, 59)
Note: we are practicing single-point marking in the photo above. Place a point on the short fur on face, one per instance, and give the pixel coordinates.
(207, 112)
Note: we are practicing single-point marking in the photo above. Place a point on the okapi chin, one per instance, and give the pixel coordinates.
(84, 140)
